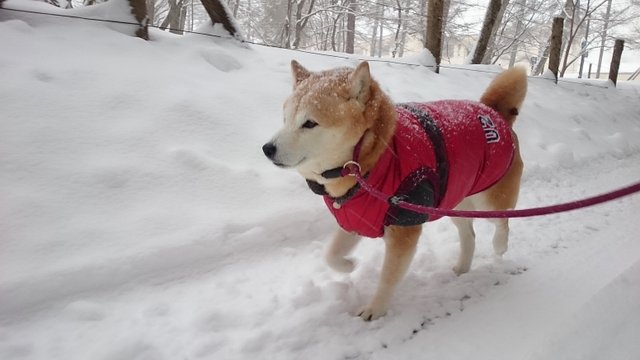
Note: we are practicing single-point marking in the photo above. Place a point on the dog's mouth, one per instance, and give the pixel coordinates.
(287, 166)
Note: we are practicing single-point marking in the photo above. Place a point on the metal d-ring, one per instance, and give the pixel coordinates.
(351, 162)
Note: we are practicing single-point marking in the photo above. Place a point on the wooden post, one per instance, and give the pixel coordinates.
(485, 34)
(139, 11)
(615, 61)
(589, 75)
(433, 38)
(556, 45)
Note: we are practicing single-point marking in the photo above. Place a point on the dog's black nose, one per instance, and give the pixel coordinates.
(269, 150)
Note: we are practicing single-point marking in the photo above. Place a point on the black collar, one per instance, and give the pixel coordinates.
(319, 189)
(316, 187)
(333, 173)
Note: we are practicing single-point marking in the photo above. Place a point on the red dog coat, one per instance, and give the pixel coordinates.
(441, 152)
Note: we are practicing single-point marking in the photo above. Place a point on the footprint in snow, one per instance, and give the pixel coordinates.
(221, 61)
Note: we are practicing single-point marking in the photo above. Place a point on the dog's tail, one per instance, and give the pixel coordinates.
(506, 93)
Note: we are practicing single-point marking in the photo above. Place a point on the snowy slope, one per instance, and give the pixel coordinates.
(140, 220)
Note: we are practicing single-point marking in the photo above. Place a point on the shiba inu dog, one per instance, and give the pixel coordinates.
(447, 154)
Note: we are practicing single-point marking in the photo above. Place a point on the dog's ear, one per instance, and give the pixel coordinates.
(360, 80)
(299, 73)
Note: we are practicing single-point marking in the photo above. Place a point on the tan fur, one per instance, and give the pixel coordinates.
(377, 118)
(348, 104)
(400, 246)
(504, 194)
(506, 93)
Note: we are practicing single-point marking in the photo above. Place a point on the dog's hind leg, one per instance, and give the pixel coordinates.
(342, 244)
(502, 196)
(501, 236)
(467, 239)
(400, 244)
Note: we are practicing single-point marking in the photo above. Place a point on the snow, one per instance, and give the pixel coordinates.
(140, 220)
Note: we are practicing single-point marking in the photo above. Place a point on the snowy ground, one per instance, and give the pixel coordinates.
(139, 219)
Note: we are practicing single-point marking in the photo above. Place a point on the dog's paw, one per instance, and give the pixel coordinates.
(459, 270)
(341, 264)
(371, 312)
(499, 248)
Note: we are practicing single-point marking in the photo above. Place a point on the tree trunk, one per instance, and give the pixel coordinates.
(576, 24)
(514, 47)
(423, 24)
(374, 37)
(396, 38)
(139, 11)
(569, 35)
(174, 22)
(334, 29)
(165, 23)
(297, 28)
(286, 31)
(433, 39)
(236, 6)
(325, 38)
(403, 38)
(487, 59)
(542, 59)
(567, 14)
(182, 20)
(220, 15)
(555, 44)
(300, 22)
(172, 14)
(485, 33)
(338, 36)
(604, 38)
(446, 5)
(403, 41)
(380, 38)
(151, 11)
(351, 28)
(583, 48)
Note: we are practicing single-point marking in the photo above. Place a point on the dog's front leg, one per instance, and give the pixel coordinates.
(342, 244)
(400, 243)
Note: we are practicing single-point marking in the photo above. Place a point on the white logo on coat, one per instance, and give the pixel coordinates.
(490, 133)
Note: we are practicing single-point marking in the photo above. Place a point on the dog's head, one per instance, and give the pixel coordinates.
(323, 119)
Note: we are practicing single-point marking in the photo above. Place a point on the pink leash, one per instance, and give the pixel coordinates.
(352, 168)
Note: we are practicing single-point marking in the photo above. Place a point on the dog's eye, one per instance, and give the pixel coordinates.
(309, 124)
